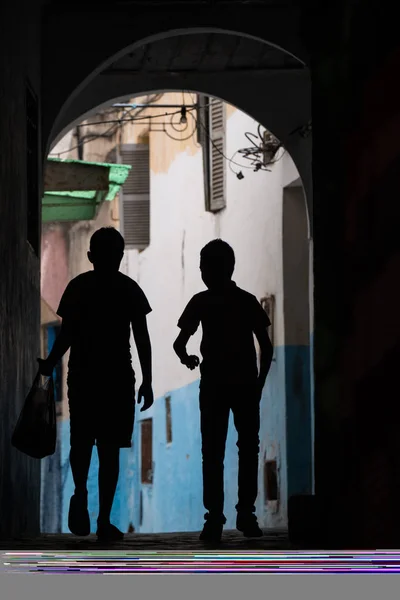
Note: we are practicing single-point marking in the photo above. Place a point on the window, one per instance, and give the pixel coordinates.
(33, 203)
(147, 450)
(168, 419)
(135, 196)
(270, 481)
(211, 135)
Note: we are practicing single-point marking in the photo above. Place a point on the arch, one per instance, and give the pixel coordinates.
(280, 30)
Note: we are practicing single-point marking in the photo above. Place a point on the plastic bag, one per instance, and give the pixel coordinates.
(35, 433)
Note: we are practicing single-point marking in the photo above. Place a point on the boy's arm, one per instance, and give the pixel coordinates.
(180, 349)
(188, 324)
(143, 345)
(267, 351)
(60, 347)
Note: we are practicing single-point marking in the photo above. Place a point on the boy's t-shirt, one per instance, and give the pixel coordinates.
(228, 320)
(100, 311)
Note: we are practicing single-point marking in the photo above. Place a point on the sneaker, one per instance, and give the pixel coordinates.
(248, 525)
(78, 516)
(212, 530)
(109, 533)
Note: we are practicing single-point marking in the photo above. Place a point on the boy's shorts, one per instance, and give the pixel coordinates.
(102, 410)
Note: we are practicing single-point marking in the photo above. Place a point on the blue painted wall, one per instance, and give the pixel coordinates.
(273, 442)
(173, 502)
(50, 480)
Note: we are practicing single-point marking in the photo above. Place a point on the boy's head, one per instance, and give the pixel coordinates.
(106, 249)
(217, 263)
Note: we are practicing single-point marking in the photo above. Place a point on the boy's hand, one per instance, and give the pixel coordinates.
(145, 392)
(45, 367)
(191, 362)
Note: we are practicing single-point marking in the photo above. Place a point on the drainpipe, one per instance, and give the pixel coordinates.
(79, 142)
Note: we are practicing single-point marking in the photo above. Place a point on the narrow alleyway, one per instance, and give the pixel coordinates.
(231, 540)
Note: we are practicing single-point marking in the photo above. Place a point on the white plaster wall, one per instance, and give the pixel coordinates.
(168, 270)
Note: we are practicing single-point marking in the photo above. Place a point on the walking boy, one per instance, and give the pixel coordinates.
(230, 380)
(98, 308)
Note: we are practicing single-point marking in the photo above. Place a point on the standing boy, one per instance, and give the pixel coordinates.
(98, 309)
(230, 380)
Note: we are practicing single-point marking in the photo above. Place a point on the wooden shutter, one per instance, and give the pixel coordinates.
(168, 419)
(203, 138)
(147, 451)
(217, 151)
(135, 196)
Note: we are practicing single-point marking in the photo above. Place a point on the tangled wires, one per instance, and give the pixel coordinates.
(263, 151)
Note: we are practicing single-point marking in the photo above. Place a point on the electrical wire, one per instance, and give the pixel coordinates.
(216, 147)
(230, 160)
(88, 138)
(251, 153)
(255, 150)
(120, 122)
(173, 126)
(167, 114)
(108, 133)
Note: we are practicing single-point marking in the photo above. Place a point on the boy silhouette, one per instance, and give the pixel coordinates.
(98, 308)
(229, 381)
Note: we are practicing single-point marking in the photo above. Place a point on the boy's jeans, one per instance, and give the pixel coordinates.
(216, 401)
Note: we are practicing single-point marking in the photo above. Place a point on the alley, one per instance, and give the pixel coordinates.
(322, 81)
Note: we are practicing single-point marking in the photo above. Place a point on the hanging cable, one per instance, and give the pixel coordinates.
(120, 123)
(216, 147)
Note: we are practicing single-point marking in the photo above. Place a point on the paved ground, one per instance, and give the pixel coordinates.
(231, 540)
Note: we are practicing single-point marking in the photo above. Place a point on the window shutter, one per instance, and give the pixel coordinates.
(147, 451)
(203, 138)
(135, 196)
(217, 151)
